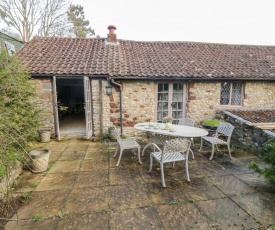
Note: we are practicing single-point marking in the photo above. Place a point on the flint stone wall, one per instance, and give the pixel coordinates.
(244, 136)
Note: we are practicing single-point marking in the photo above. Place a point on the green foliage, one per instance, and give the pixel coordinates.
(104, 136)
(81, 27)
(211, 122)
(37, 217)
(19, 118)
(268, 155)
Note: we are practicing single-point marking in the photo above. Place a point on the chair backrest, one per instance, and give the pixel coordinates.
(225, 129)
(176, 145)
(113, 131)
(186, 122)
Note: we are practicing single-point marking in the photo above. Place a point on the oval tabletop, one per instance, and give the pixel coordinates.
(176, 130)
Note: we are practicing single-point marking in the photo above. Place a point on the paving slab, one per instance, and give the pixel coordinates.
(257, 182)
(95, 164)
(124, 176)
(258, 205)
(138, 218)
(95, 221)
(46, 223)
(46, 203)
(55, 181)
(124, 196)
(65, 166)
(230, 185)
(225, 214)
(93, 178)
(28, 181)
(72, 155)
(83, 200)
(54, 156)
(172, 193)
(96, 154)
(182, 216)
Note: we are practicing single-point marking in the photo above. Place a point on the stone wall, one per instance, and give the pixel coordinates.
(259, 95)
(204, 98)
(138, 100)
(244, 136)
(45, 101)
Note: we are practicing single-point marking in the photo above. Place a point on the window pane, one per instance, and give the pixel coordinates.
(165, 114)
(166, 87)
(159, 117)
(165, 97)
(159, 97)
(225, 93)
(160, 87)
(180, 105)
(165, 105)
(159, 106)
(236, 98)
(174, 105)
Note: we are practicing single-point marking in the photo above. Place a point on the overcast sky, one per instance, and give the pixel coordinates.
(217, 21)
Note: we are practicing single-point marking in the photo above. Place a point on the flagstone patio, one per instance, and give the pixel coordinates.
(83, 189)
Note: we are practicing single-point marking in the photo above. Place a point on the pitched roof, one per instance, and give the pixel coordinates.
(147, 59)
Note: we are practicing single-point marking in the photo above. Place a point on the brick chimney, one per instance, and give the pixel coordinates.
(111, 37)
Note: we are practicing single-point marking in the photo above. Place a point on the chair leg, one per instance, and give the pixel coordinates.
(162, 175)
(139, 156)
(145, 147)
(212, 152)
(120, 155)
(187, 171)
(192, 154)
(151, 163)
(117, 147)
(228, 147)
(192, 141)
(201, 145)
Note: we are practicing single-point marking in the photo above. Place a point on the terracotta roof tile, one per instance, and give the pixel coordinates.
(147, 59)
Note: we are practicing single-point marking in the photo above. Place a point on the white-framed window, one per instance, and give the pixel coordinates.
(171, 101)
(10, 48)
(232, 93)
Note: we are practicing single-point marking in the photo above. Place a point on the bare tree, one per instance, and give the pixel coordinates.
(29, 17)
(22, 15)
(53, 18)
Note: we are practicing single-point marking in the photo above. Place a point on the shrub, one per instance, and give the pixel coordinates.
(268, 155)
(20, 118)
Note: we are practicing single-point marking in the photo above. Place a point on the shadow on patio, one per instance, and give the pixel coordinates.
(85, 190)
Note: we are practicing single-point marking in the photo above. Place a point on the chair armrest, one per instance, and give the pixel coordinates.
(155, 146)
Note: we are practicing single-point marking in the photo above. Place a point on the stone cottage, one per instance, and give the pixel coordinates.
(149, 80)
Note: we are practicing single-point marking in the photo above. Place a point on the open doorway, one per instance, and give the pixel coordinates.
(71, 106)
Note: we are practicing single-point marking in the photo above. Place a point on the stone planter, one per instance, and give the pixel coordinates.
(45, 134)
(39, 160)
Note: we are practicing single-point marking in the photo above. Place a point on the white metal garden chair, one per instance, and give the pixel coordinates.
(123, 144)
(222, 137)
(157, 139)
(176, 149)
(188, 122)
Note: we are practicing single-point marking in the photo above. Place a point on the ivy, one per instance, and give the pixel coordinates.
(268, 155)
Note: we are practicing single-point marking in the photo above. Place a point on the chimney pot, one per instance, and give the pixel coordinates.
(111, 37)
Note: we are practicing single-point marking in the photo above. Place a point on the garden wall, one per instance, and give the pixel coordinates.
(244, 136)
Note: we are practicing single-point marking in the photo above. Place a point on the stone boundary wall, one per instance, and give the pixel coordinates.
(244, 136)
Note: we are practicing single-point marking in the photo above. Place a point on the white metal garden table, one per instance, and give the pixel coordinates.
(175, 131)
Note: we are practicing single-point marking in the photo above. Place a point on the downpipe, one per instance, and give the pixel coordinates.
(120, 101)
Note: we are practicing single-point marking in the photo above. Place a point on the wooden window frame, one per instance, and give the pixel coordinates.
(170, 98)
